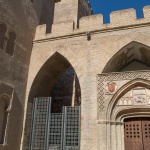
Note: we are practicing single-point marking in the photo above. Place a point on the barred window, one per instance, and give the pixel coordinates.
(11, 43)
(3, 118)
(3, 30)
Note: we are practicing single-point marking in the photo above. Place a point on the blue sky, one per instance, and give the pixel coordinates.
(105, 7)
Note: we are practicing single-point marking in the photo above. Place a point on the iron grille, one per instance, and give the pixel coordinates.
(40, 116)
(54, 131)
(71, 128)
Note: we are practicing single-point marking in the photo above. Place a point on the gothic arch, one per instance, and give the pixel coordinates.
(48, 76)
(131, 113)
(133, 56)
(49, 81)
(124, 89)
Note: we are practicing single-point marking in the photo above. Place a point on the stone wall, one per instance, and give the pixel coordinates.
(94, 24)
(89, 57)
(19, 17)
(45, 12)
(120, 95)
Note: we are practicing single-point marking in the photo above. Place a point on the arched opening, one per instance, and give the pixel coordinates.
(56, 79)
(132, 57)
(124, 90)
(4, 104)
(129, 110)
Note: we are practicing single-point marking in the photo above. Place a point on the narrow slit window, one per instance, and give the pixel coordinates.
(3, 30)
(3, 119)
(11, 43)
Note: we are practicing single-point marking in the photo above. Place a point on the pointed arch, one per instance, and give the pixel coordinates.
(131, 57)
(124, 89)
(48, 76)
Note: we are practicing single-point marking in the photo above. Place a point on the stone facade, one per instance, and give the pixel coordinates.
(17, 25)
(77, 60)
(122, 45)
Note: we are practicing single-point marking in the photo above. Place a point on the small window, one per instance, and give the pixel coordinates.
(11, 43)
(3, 30)
(3, 118)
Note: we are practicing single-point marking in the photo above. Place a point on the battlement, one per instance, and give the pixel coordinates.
(93, 23)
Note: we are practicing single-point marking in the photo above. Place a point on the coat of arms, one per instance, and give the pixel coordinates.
(111, 87)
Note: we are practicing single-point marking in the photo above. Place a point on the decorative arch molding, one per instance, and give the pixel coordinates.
(124, 89)
(132, 113)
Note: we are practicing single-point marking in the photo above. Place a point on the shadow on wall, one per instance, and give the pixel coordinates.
(132, 57)
(66, 91)
(45, 12)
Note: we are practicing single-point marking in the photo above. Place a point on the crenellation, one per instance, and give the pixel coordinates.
(40, 31)
(146, 12)
(123, 17)
(66, 10)
(118, 19)
(92, 22)
(64, 27)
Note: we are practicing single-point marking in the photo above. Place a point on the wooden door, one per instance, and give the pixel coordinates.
(137, 134)
(146, 134)
(133, 134)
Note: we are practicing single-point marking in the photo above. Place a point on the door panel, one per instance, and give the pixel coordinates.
(133, 135)
(146, 134)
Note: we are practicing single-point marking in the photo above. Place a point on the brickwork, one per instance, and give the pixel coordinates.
(89, 58)
(66, 37)
(94, 23)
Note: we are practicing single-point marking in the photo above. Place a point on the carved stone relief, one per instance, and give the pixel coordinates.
(136, 96)
(108, 84)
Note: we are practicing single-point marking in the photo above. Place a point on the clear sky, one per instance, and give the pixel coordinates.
(105, 7)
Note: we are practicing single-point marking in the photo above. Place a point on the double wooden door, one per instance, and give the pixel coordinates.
(137, 134)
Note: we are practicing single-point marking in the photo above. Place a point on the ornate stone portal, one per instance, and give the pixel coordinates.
(120, 96)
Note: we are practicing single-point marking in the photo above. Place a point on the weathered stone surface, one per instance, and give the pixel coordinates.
(90, 47)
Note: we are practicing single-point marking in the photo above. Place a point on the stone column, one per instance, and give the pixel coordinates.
(102, 136)
(118, 129)
(122, 137)
(113, 137)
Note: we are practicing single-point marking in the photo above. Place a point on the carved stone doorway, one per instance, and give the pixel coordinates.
(137, 134)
